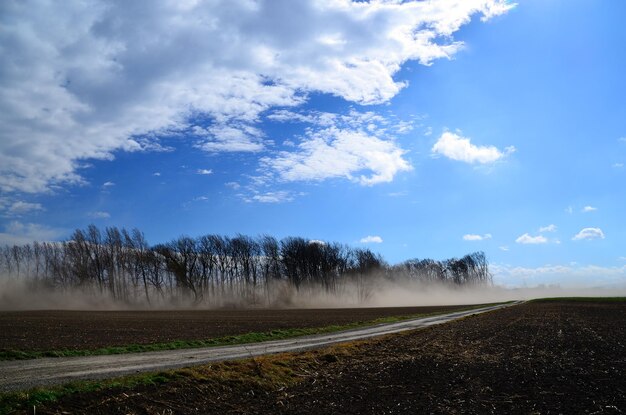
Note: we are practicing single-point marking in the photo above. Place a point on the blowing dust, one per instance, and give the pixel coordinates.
(18, 295)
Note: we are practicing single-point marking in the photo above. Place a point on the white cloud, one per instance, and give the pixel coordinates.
(398, 194)
(617, 165)
(371, 239)
(549, 228)
(229, 138)
(99, 215)
(271, 197)
(20, 207)
(316, 242)
(204, 172)
(568, 276)
(156, 173)
(459, 148)
(527, 239)
(569, 210)
(108, 184)
(589, 233)
(475, 237)
(18, 233)
(355, 146)
(81, 80)
(589, 209)
(504, 248)
(232, 185)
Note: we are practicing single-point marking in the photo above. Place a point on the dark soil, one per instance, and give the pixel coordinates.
(537, 358)
(89, 330)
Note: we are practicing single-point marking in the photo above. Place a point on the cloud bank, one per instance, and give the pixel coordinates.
(82, 80)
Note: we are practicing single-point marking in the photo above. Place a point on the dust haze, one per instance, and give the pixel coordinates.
(20, 295)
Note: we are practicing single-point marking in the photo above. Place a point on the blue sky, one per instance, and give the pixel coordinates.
(416, 129)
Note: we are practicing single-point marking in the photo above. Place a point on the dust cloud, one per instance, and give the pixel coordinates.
(20, 295)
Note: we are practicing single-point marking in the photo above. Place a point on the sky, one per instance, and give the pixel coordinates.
(416, 129)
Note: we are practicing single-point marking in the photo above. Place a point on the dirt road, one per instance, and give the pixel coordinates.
(18, 375)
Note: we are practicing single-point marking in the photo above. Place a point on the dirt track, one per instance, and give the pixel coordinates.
(537, 358)
(57, 330)
(17, 375)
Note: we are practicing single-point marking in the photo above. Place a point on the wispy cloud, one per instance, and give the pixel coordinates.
(456, 147)
(271, 197)
(526, 239)
(589, 234)
(99, 215)
(549, 228)
(475, 237)
(204, 172)
(371, 239)
(589, 209)
(20, 207)
(19, 233)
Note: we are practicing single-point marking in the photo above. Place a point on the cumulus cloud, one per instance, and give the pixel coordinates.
(459, 148)
(371, 239)
(589, 209)
(589, 233)
(333, 153)
(527, 239)
(475, 237)
(358, 146)
(81, 80)
(549, 228)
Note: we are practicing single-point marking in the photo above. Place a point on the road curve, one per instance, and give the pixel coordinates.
(25, 374)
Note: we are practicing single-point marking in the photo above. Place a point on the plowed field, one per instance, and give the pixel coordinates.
(85, 330)
(536, 358)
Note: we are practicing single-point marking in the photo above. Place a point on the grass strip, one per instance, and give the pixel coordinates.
(254, 337)
(271, 372)
(12, 402)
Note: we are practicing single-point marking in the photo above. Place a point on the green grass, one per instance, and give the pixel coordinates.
(254, 337)
(13, 401)
(581, 299)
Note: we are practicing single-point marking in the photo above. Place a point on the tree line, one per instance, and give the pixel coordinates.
(122, 265)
